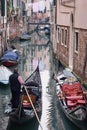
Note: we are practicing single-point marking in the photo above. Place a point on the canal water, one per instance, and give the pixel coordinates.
(37, 50)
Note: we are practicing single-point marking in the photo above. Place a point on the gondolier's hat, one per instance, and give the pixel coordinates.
(13, 47)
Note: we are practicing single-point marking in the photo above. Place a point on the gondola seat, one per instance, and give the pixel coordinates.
(72, 89)
(75, 100)
(26, 102)
(71, 103)
(74, 97)
(73, 94)
(81, 101)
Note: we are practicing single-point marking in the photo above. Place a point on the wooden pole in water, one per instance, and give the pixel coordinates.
(33, 107)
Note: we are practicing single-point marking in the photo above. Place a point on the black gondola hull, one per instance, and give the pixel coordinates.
(82, 124)
(72, 103)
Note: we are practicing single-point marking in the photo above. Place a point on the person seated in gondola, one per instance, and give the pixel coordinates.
(15, 50)
(15, 82)
(33, 89)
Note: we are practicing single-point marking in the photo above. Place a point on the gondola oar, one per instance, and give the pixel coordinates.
(20, 107)
(33, 106)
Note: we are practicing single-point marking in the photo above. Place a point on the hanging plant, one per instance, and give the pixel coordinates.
(13, 11)
(17, 10)
(8, 8)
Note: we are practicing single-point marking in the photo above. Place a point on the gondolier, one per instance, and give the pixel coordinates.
(30, 105)
(15, 81)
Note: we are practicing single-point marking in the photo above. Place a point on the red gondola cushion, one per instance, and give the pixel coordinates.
(74, 97)
(72, 89)
(71, 103)
(81, 101)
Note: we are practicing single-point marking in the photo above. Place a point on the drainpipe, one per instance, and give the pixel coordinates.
(53, 28)
(53, 35)
(71, 42)
(1, 44)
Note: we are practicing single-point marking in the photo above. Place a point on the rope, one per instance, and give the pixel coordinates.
(33, 107)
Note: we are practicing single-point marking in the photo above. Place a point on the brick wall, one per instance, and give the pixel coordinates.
(62, 50)
(79, 59)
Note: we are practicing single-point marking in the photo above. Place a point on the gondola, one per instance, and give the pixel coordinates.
(30, 105)
(72, 98)
(4, 75)
(10, 58)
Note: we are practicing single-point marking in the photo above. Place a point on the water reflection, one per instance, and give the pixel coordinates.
(32, 55)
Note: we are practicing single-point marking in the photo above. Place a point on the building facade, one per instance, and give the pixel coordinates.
(71, 35)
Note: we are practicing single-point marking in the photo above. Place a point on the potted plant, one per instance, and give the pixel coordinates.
(17, 10)
(13, 11)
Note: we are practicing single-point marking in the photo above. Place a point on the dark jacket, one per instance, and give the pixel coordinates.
(14, 83)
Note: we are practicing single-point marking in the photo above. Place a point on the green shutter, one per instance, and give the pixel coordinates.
(2, 7)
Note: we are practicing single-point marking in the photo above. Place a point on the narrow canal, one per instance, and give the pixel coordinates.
(52, 117)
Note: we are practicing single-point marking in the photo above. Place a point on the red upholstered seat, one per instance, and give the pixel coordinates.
(77, 85)
(74, 97)
(72, 89)
(73, 94)
(75, 102)
(81, 101)
(71, 103)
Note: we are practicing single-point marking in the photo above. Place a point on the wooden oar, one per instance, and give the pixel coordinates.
(33, 106)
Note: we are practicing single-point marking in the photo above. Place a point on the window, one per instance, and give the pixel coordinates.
(65, 37)
(62, 36)
(76, 41)
(18, 3)
(66, 1)
(0, 8)
(58, 32)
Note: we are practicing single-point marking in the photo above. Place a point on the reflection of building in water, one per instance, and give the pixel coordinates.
(35, 63)
(32, 56)
(43, 57)
(41, 64)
